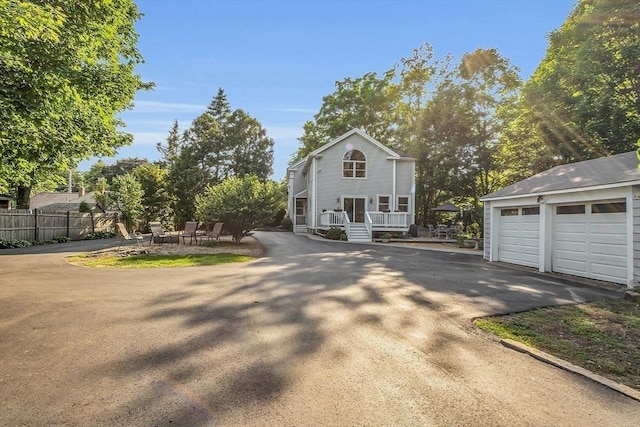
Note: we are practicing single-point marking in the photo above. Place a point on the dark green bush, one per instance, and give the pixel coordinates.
(335, 233)
(99, 235)
(286, 223)
(13, 243)
(61, 239)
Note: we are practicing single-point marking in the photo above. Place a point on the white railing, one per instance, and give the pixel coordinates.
(373, 220)
(390, 219)
(368, 223)
(332, 219)
(347, 224)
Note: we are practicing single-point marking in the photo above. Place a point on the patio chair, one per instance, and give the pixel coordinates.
(441, 231)
(126, 236)
(158, 234)
(214, 234)
(190, 229)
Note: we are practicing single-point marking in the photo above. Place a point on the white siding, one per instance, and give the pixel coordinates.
(591, 245)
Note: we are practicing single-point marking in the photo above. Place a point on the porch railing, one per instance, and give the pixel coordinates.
(332, 219)
(373, 220)
(390, 219)
(368, 223)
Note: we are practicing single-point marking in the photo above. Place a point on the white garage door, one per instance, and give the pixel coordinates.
(590, 240)
(519, 236)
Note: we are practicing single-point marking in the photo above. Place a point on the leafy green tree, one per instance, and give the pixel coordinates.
(125, 196)
(220, 143)
(156, 201)
(459, 130)
(67, 69)
(242, 203)
(369, 102)
(583, 101)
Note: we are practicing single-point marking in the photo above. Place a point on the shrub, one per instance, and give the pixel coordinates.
(335, 233)
(13, 243)
(99, 235)
(286, 223)
(61, 239)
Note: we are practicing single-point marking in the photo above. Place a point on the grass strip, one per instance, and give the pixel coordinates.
(603, 336)
(153, 261)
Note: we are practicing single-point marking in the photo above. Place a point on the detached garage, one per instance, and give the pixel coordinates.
(576, 219)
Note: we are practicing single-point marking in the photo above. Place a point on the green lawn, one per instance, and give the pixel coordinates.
(151, 261)
(603, 337)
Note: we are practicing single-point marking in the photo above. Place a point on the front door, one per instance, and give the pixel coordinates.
(301, 211)
(354, 207)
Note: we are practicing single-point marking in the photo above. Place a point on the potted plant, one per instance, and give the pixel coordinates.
(386, 237)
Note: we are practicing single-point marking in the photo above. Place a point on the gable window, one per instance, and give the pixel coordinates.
(354, 164)
(403, 204)
(383, 203)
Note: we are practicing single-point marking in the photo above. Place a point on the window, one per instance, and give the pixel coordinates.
(618, 207)
(509, 212)
(403, 204)
(354, 164)
(383, 203)
(570, 210)
(535, 210)
(299, 207)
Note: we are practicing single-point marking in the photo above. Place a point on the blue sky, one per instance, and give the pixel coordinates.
(277, 59)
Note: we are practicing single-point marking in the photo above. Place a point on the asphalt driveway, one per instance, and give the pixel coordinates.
(314, 333)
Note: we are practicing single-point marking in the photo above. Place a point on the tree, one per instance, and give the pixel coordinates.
(125, 196)
(459, 130)
(156, 201)
(68, 69)
(583, 101)
(170, 151)
(242, 203)
(220, 143)
(368, 102)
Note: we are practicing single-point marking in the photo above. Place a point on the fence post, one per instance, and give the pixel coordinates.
(36, 231)
(68, 214)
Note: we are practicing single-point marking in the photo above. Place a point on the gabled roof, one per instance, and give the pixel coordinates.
(617, 170)
(360, 132)
(60, 202)
(318, 151)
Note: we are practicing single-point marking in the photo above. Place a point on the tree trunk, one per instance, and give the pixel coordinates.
(22, 199)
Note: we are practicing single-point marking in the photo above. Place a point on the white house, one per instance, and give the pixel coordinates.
(581, 219)
(354, 183)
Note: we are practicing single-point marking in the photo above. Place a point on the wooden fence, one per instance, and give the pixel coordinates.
(32, 225)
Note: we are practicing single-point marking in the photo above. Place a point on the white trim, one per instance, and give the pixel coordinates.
(360, 132)
(564, 191)
(394, 184)
(408, 202)
(378, 201)
(630, 260)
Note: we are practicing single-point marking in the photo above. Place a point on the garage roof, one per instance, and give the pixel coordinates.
(617, 169)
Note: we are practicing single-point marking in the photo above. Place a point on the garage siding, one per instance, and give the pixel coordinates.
(487, 230)
(519, 237)
(636, 232)
(591, 245)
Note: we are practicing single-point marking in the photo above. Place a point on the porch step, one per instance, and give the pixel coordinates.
(359, 233)
(300, 229)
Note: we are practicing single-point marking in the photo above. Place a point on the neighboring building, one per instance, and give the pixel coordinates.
(354, 183)
(62, 202)
(581, 219)
(6, 202)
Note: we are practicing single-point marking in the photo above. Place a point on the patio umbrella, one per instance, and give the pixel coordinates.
(447, 207)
